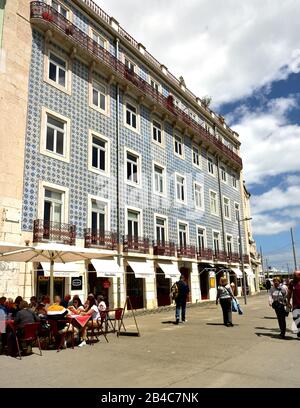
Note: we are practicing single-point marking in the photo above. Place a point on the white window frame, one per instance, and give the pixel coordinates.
(139, 168)
(68, 83)
(136, 106)
(194, 146)
(135, 66)
(43, 185)
(211, 165)
(164, 177)
(235, 211)
(234, 181)
(229, 208)
(107, 210)
(67, 135)
(204, 235)
(176, 134)
(105, 139)
(162, 144)
(213, 241)
(162, 216)
(140, 219)
(232, 244)
(60, 4)
(94, 30)
(217, 205)
(158, 87)
(185, 189)
(100, 83)
(187, 231)
(195, 184)
(223, 174)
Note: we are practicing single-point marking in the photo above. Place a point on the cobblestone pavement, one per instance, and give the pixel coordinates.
(200, 353)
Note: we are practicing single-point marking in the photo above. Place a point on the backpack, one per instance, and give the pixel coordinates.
(174, 291)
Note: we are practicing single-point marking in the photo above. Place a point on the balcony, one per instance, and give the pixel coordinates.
(188, 251)
(135, 244)
(205, 254)
(47, 18)
(48, 231)
(220, 256)
(233, 257)
(98, 239)
(246, 259)
(164, 248)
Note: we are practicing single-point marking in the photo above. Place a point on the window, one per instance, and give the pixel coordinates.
(198, 196)
(226, 206)
(229, 244)
(98, 38)
(237, 211)
(180, 188)
(132, 168)
(98, 217)
(213, 203)
(155, 85)
(210, 165)
(223, 174)
(99, 151)
(201, 238)
(99, 98)
(60, 8)
(55, 135)
(131, 116)
(53, 206)
(129, 65)
(216, 242)
(133, 224)
(57, 70)
(157, 132)
(234, 181)
(159, 179)
(178, 145)
(161, 230)
(196, 156)
(182, 234)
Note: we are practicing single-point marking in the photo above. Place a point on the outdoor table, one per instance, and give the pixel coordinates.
(81, 320)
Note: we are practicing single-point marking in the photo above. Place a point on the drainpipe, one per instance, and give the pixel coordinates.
(118, 179)
(221, 207)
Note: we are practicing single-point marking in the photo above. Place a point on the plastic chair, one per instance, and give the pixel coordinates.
(116, 322)
(60, 328)
(30, 333)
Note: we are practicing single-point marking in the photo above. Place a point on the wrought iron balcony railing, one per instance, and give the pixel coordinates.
(135, 244)
(99, 239)
(45, 231)
(164, 248)
(204, 254)
(188, 251)
(246, 259)
(51, 18)
(233, 257)
(220, 256)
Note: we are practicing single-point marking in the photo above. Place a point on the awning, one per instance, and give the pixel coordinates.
(63, 270)
(249, 272)
(170, 269)
(141, 269)
(107, 267)
(238, 272)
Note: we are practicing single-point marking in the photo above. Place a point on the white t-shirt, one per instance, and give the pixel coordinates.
(95, 314)
(102, 306)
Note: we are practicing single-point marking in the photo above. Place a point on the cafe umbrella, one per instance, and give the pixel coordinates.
(51, 252)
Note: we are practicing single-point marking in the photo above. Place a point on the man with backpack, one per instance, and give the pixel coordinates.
(180, 292)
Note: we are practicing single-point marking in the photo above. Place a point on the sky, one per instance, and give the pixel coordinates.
(245, 55)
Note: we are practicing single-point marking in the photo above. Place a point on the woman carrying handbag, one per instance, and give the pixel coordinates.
(278, 301)
(225, 295)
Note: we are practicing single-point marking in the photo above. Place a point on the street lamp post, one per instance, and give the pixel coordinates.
(241, 255)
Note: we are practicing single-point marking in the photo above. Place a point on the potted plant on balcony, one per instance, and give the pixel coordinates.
(69, 29)
(47, 16)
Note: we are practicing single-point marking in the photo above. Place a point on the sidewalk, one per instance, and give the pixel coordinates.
(200, 353)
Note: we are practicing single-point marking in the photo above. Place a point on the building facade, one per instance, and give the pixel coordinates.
(112, 152)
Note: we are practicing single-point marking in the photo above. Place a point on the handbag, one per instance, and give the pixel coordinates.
(234, 305)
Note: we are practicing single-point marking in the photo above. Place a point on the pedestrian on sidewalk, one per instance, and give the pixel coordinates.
(225, 295)
(268, 285)
(294, 294)
(181, 298)
(278, 301)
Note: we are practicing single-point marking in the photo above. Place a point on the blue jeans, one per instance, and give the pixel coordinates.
(181, 303)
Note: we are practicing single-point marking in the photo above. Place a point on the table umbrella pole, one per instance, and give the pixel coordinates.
(51, 281)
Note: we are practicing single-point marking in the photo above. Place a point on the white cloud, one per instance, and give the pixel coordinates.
(266, 224)
(223, 49)
(270, 145)
(275, 199)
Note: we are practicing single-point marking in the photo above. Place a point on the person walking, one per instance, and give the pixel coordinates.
(268, 285)
(278, 301)
(225, 295)
(181, 298)
(294, 294)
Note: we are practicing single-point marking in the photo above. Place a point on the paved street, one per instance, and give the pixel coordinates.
(200, 353)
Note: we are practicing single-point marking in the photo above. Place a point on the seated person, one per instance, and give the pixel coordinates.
(77, 306)
(59, 313)
(93, 311)
(101, 303)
